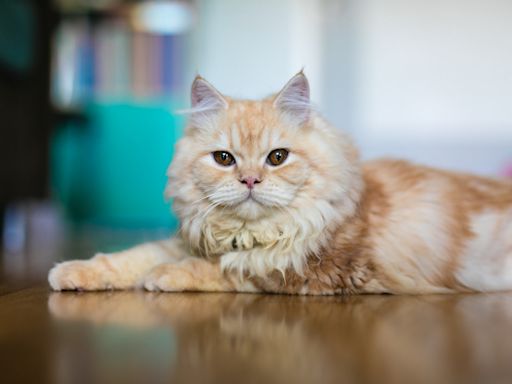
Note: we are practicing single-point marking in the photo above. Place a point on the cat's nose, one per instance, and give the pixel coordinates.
(250, 181)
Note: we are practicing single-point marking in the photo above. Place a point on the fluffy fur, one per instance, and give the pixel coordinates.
(320, 223)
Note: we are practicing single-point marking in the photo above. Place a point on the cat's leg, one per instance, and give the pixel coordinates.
(120, 270)
(241, 272)
(238, 271)
(195, 274)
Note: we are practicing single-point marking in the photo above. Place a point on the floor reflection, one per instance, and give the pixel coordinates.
(253, 338)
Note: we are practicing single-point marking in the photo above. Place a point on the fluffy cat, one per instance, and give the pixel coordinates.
(272, 198)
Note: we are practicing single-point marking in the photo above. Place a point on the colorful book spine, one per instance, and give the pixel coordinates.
(110, 60)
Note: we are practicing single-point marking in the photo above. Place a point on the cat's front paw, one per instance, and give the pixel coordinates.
(77, 275)
(170, 278)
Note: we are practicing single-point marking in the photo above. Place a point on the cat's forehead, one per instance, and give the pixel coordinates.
(251, 125)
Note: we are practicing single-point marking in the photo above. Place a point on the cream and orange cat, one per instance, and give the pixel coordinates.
(272, 198)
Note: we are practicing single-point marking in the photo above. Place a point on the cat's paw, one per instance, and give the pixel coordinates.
(170, 278)
(81, 275)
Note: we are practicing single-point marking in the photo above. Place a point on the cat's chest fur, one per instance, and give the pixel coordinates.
(223, 235)
(281, 242)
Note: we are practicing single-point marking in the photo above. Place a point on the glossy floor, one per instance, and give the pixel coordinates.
(140, 337)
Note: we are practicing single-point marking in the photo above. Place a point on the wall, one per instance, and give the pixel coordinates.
(433, 81)
(250, 48)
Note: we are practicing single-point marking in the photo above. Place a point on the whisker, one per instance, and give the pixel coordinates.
(211, 195)
(211, 208)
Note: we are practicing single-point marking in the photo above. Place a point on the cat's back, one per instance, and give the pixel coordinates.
(440, 228)
(404, 179)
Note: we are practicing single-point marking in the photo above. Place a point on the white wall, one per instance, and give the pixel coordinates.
(444, 67)
(433, 81)
(250, 48)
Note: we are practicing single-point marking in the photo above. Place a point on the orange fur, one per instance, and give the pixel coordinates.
(320, 223)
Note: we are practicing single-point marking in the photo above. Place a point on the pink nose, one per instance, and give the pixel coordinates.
(250, 181)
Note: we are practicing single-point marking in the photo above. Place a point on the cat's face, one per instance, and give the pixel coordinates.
(253, 159)
(252, 162)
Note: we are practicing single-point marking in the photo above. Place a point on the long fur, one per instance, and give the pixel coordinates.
(320, 223)
(282, 239)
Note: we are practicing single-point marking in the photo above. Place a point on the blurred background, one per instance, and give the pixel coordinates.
(89, 90)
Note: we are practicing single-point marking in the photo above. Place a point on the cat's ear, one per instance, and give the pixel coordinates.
(293, 100)
(205, 96)
(206, 102)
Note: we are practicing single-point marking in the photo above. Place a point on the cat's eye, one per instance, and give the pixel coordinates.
(277, 157)
(223, 158)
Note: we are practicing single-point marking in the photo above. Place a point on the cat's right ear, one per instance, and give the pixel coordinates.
(205, 98)
(206, 102)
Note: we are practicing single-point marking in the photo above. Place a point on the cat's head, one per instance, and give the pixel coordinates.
(251, 160)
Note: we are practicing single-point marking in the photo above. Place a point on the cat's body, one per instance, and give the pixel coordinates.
(273, 199)
(420, 230)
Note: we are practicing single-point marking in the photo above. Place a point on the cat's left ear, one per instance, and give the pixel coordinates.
(293, 101)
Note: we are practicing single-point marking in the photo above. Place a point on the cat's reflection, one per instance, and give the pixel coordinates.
(229, 337)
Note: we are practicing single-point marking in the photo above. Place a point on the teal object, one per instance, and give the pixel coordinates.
(17, 28)
(111, 170)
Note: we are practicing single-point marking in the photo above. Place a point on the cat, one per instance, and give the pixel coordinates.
(271, 198)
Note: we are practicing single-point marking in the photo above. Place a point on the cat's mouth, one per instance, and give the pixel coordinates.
(251, 202)
(250, 197)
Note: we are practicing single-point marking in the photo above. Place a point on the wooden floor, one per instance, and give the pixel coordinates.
(140, 337)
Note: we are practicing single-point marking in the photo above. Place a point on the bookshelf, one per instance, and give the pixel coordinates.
(100, 56)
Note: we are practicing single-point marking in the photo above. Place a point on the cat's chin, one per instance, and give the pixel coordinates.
(250, 209)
